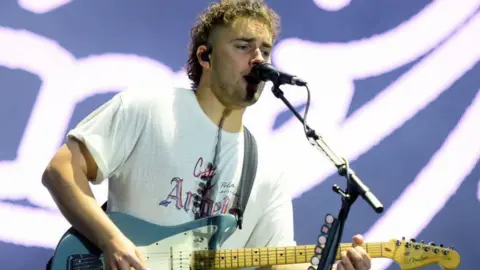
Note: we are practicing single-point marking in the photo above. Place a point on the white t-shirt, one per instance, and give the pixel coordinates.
(154, 146)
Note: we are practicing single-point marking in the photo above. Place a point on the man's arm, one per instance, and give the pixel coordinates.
(66, 178)
(94, 150)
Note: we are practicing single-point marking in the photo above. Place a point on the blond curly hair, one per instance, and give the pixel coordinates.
(223, 14)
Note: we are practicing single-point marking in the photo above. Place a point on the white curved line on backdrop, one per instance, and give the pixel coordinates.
(43, 6)
(383, 52)
(21, 49)
(376, 119)
(332, 5)
(64, 84)
(445, 171)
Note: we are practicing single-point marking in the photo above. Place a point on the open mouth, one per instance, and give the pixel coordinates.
(251, 80)
(252, 86)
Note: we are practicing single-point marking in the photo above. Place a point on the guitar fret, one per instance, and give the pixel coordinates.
(261, 257)
(254, 257)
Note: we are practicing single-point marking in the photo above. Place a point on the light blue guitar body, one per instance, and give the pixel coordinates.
(166, 247)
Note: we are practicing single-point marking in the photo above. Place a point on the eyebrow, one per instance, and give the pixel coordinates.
(249, 40)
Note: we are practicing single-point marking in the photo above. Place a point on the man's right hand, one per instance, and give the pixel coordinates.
(121, 254)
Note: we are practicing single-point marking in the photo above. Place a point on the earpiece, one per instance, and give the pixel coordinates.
(205, 56)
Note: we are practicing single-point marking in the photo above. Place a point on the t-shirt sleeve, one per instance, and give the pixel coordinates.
(109, 133)
(275, 228)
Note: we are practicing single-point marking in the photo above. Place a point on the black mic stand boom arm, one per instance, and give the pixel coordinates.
(355, 188)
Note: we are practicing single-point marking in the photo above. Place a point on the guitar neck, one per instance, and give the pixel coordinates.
(259, 257)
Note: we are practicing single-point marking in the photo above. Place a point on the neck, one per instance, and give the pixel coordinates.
(215, 110)
(263, 257)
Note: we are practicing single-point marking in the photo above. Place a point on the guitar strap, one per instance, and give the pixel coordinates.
(249, 170)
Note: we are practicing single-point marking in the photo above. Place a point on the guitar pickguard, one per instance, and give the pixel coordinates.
(176, 252)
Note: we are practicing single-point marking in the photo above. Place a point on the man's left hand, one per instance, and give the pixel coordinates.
(355, 258)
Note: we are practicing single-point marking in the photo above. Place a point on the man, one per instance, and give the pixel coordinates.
(148, 143)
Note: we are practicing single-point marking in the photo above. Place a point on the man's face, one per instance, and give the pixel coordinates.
(237, 48)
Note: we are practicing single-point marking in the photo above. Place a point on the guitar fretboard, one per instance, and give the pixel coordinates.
(258, 257)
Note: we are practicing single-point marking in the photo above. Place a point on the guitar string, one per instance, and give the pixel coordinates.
(240, 262)
(371, 248)
(168, 254)
(229, 255)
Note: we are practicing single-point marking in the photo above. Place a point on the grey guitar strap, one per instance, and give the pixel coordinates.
(249, 170)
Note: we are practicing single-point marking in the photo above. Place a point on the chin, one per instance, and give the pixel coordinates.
(253, 92)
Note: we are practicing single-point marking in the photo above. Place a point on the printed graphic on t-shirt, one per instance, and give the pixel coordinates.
(184, 199)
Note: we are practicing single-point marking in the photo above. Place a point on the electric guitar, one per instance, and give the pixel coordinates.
(195, 245)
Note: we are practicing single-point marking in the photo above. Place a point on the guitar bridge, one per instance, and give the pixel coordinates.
(84, 262)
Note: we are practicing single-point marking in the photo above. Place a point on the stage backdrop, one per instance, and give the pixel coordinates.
(395, 90)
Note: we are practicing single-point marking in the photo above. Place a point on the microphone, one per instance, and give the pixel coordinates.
(266, 72)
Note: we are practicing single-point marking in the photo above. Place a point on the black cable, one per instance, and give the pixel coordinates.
(203, 189)
(308, 132)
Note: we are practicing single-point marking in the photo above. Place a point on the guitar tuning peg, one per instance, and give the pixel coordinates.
(412, 240)
(451, 248)
(441, 245)
(432, 244)
(403, 238)
(423, 242)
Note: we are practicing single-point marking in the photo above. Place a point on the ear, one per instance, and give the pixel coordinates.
(203, 55)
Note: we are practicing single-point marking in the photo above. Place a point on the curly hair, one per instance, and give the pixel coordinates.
(223, 14)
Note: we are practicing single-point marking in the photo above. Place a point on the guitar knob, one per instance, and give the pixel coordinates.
(325, 229)
(329, 219)
(322, 240)
(315, 260)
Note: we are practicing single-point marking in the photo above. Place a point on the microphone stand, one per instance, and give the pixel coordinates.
(355, 188)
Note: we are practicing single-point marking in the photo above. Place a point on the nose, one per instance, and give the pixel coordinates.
(257, 58)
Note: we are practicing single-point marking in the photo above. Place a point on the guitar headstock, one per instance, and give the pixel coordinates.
(414, 255)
